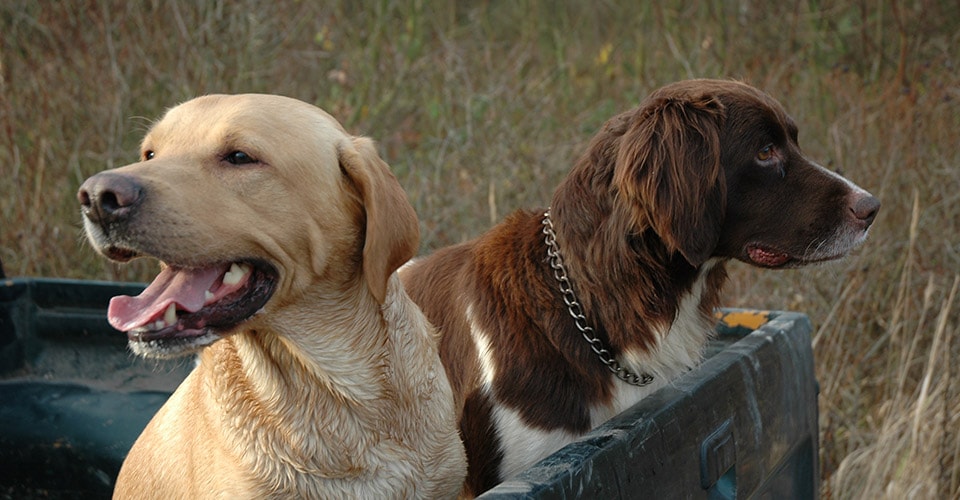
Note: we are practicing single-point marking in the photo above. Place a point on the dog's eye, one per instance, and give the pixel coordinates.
(766, 153)
(239, 158)
(148, 155)
(767, 157)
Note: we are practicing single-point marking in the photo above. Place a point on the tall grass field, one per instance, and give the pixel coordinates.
(481, 107)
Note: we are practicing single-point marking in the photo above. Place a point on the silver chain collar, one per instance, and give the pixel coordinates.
(576, 310)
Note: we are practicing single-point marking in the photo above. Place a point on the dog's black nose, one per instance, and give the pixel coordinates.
(108, 196)
(865, 209)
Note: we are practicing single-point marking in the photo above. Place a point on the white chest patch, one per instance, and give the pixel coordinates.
(522, 445)
(679, 350)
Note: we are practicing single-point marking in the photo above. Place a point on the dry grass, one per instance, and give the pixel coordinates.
(481, 107)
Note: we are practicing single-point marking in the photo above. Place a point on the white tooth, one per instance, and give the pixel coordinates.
(170, 316)
(207, 296)
(159, 324)
(235, 274)
(231, 278)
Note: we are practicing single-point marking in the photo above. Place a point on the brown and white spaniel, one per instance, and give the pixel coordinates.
(639, 231)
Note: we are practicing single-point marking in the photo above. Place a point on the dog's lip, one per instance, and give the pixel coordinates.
(763, 255)
(192, 302)
(767, 256)
(120, 254)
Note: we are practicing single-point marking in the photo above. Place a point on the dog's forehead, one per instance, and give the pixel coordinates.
(222, 116)
(751, 108)
(741, 100)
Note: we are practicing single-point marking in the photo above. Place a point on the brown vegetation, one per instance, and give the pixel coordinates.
(481, 107)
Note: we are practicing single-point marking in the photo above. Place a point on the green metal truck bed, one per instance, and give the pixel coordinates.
(742, 425)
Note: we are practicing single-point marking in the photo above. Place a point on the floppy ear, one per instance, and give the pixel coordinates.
(392, 233)
(668, 170)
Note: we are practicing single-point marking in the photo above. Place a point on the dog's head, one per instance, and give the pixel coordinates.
(714, 169)
(247, 201)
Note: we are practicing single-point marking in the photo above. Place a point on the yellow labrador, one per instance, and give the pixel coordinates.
(279, 235)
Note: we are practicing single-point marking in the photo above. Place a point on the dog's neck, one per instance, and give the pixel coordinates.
(315, 392)
(606, 255)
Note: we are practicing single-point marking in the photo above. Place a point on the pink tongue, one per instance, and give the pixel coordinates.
(184, 287)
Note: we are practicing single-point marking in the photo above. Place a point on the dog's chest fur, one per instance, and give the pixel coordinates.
(678, 349)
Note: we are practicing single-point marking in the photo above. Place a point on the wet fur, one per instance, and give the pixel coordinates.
(335, 388)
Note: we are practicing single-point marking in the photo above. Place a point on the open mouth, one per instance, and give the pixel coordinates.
(184, 304)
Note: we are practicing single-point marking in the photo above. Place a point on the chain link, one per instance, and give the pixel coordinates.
(576, 310)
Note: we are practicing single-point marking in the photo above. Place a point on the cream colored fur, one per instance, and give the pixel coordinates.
(288, 413)
(335, 388)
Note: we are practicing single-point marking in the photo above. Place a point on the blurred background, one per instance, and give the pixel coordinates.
(481, 107)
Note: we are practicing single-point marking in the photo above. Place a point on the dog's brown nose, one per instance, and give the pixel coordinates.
(866, 208)
(107, 196)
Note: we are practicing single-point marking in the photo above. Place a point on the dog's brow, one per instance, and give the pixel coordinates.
(776, 124)
(232, 140)
(792, 130)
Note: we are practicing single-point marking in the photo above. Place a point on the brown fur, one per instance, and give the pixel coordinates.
(664, 194)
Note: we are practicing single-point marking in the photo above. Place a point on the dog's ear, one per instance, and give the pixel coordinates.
(392, 233)
(668, 171)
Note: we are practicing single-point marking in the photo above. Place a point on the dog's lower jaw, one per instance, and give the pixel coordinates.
(172, 348)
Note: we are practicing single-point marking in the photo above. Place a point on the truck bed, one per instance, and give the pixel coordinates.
(742, 425)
